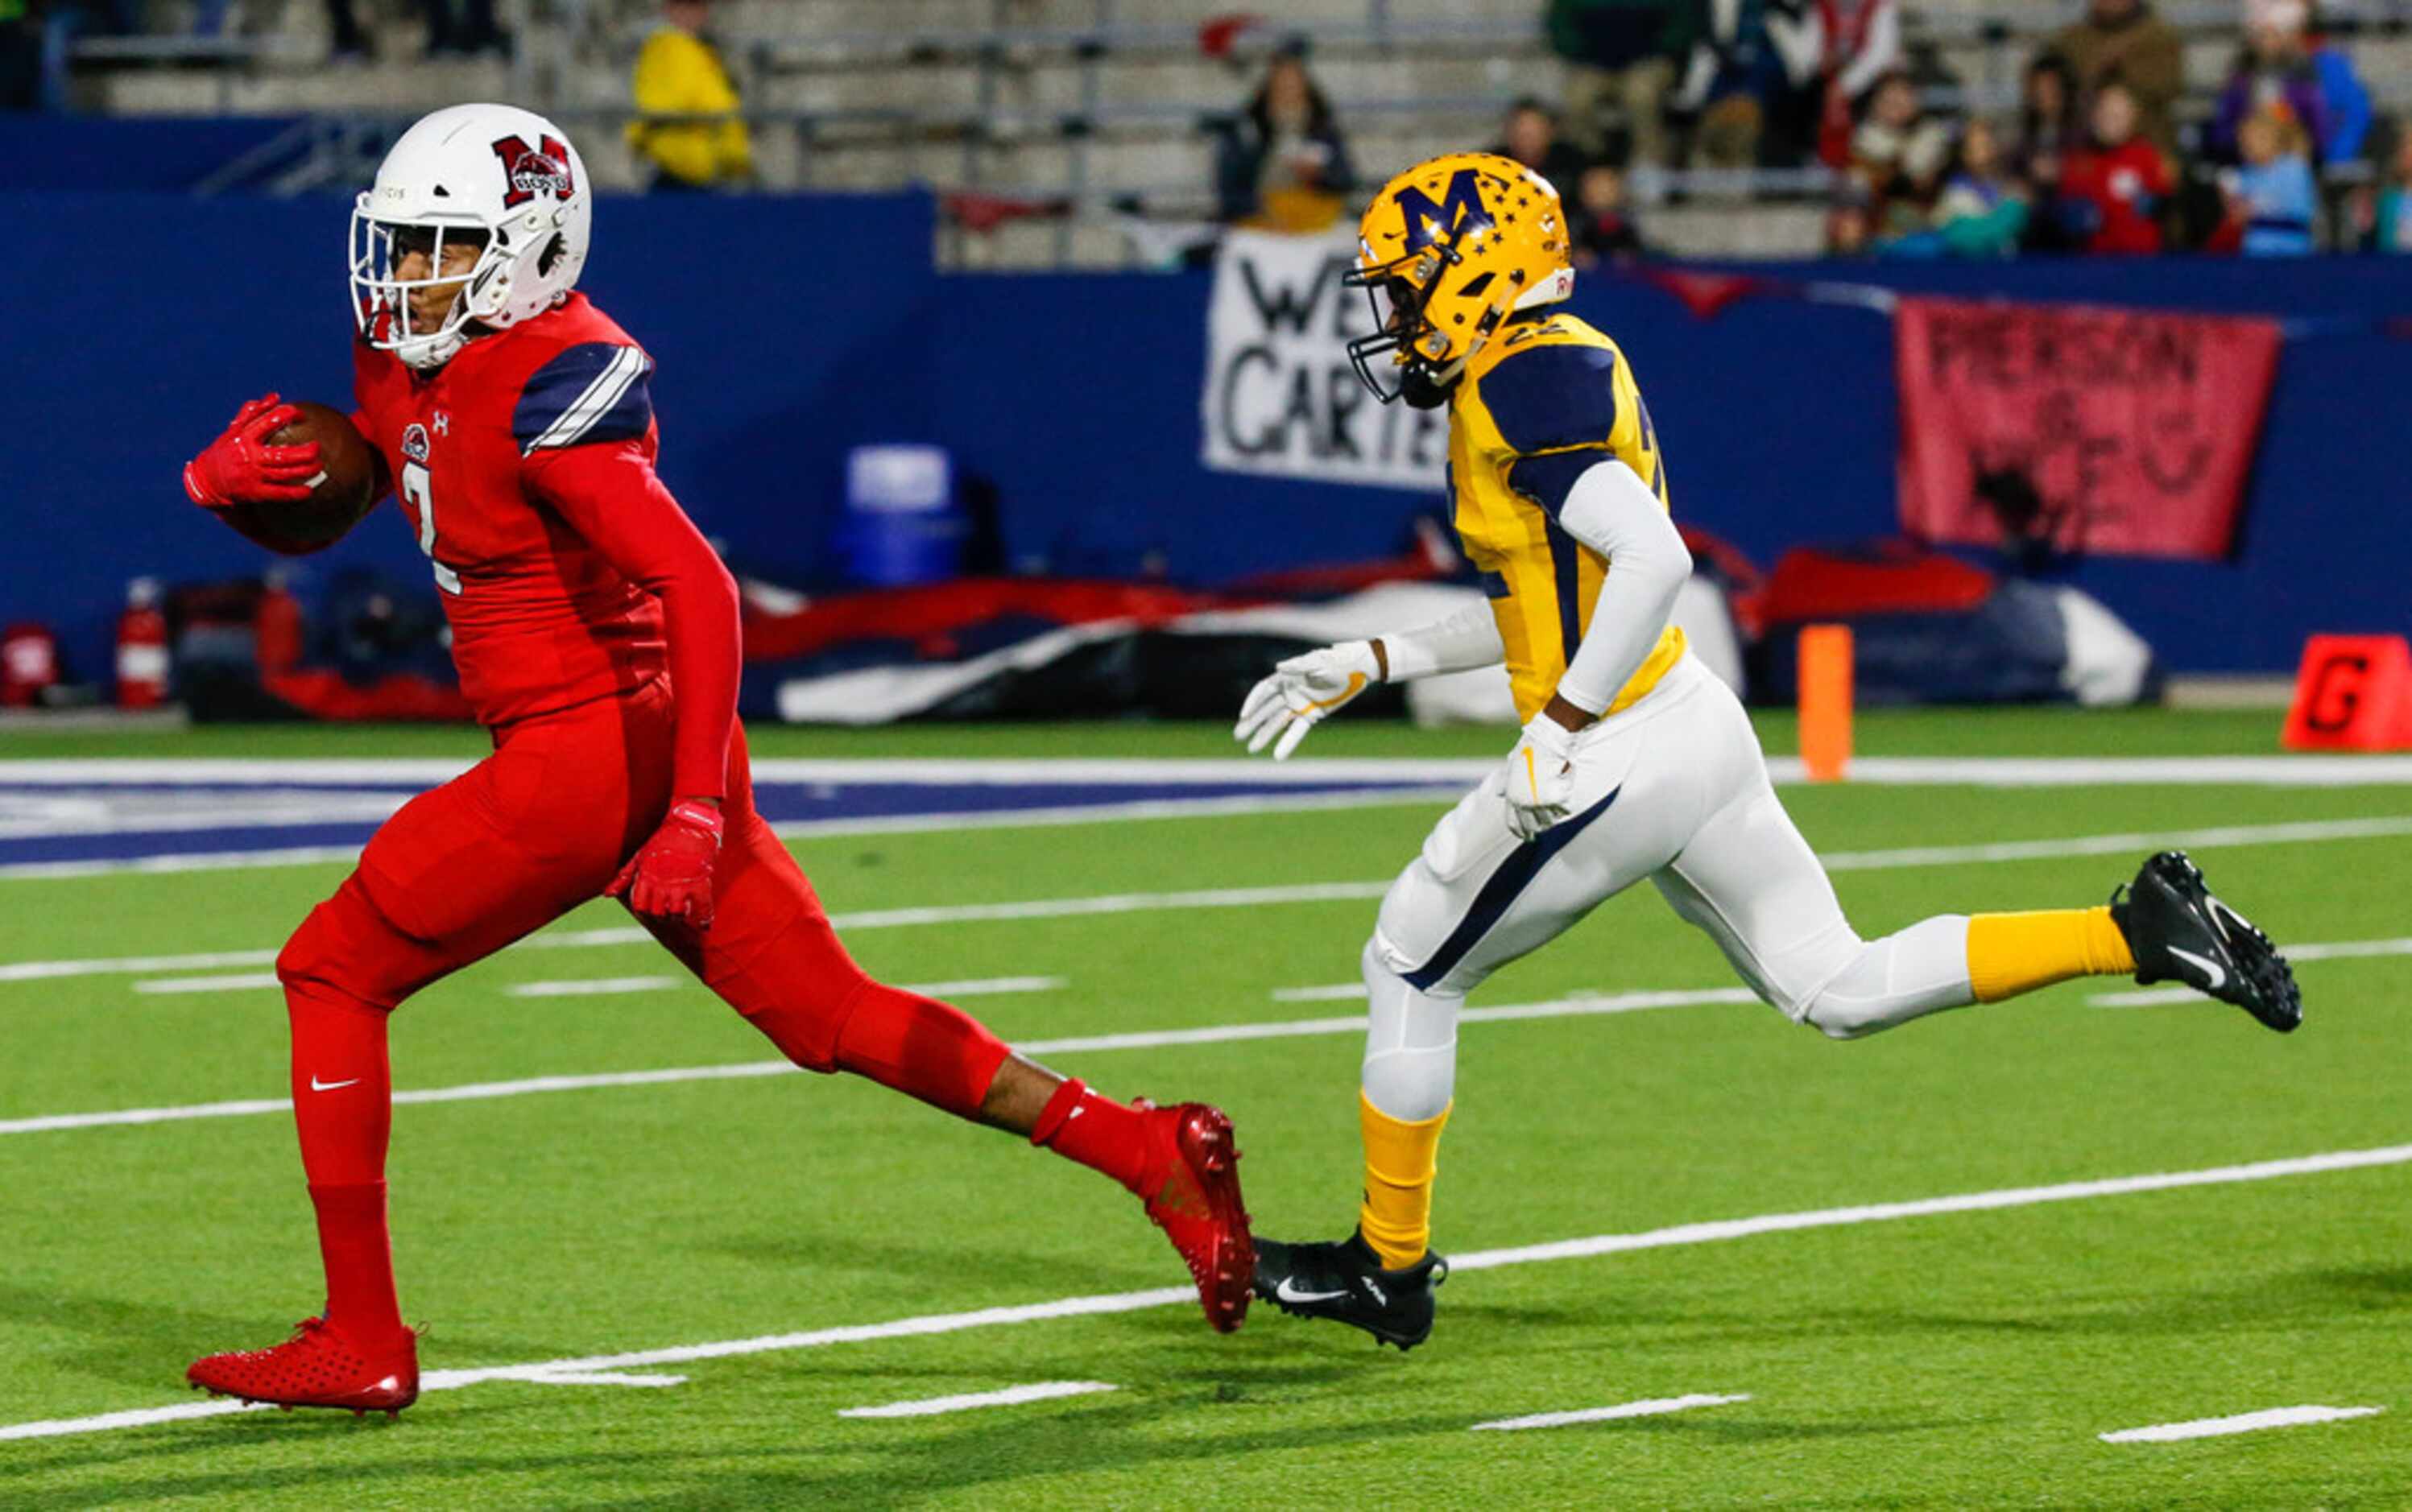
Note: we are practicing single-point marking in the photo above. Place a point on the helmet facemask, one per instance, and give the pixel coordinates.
(1403, 331)
(1426, 359)
(381, 297)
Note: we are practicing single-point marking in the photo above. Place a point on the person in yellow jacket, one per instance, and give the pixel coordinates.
(680, 75)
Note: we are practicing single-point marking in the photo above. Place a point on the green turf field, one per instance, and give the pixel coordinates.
(1942, 1358)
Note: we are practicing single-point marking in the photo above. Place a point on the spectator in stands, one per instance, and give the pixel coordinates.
(2048, 134)
(2274, 197)
(2122, 40)
(1983, 209)
(1752, 69)
(2047, 109)
(1900, 153)
(1851, 222)
(1530, 136)
(1860, 44)
(2120, 175)
(2342, 91)
(1601, 227)
(1282, 164)
(1621, 55)
(2386, 218)
(464, 27)
(690, 130)
(2273, 67)
(346, 42)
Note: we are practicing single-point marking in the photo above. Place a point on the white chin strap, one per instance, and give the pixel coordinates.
(425, 352)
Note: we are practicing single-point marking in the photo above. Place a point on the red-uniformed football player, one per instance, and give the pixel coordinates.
(597, 635)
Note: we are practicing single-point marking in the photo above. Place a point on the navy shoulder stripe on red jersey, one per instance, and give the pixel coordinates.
(1546, 397)
(594, 392)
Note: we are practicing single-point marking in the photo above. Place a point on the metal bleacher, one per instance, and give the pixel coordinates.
(1076, 124)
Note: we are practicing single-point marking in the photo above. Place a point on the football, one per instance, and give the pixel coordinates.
(344, 488)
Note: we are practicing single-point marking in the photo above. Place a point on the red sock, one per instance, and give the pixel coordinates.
(919, 1046)
(343, 1108)
(1106, 1135)
(358, 1257)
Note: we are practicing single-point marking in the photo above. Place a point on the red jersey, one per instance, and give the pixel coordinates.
(2126, 186)
(541, 620)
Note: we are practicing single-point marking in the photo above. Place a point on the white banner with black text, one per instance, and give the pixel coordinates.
(1281, 397)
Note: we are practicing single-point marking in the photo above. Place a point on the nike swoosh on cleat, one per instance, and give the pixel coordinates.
(1287, 1292)
(316, 1085)
(2213, 969)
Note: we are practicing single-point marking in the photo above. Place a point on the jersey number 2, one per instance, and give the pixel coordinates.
(415, 481)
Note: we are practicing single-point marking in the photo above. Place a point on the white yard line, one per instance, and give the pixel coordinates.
(242, 982)
(589, 987)
(2309, 832)
(1077, 814)
(1012, 1396)
(988, 986)
(601, 985)
(2304, 832)
(2249, 1422)
(2148, 997)
(1151, 808)
(2022, 771)
(1574, 1006)
(43, 971)
(1102, 1304)
(1432, 782)
(744, 1070)
(2016, 1196)
(542, 1377)
(2116, 771)
(1653, 1407)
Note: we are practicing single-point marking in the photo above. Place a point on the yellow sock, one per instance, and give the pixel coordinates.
(1400, 1163)
(2014, 953)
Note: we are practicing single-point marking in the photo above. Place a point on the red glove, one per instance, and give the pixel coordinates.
(671, 876)
(241, 467)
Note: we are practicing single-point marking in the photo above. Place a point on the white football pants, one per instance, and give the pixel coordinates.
(1674, 789)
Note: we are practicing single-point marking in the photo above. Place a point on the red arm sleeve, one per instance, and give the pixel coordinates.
(610, 496)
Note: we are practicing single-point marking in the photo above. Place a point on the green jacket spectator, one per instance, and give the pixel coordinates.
(2122, 40)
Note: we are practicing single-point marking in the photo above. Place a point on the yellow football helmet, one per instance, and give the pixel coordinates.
(1447, 252)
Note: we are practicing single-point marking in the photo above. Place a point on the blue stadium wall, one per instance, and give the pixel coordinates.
(787, 330)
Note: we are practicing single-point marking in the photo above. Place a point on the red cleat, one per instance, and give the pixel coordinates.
(1196, 1180)
(318, 1367)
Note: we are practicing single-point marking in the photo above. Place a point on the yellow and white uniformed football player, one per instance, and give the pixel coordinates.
(1635, 762)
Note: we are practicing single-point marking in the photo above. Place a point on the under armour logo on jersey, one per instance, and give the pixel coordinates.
(543, 168)
(414, 441)
(443, 422)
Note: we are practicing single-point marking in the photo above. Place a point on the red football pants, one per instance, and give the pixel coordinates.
(540, 826)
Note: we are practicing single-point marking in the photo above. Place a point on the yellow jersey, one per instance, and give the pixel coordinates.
(680, 74)
(1539, 405)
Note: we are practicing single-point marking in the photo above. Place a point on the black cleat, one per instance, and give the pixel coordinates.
(1346, 1282)
(2180, 933)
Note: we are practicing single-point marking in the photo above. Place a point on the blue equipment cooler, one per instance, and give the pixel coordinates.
(901, 523)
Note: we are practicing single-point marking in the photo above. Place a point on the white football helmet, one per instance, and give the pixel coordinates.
(504, 178)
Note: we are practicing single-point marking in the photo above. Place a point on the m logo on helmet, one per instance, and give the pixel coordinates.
(531, 172)
(1426, 221)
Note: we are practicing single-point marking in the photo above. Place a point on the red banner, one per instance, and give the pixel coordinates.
(2092, 429)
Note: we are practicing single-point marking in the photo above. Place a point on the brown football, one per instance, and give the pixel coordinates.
(346, 489)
